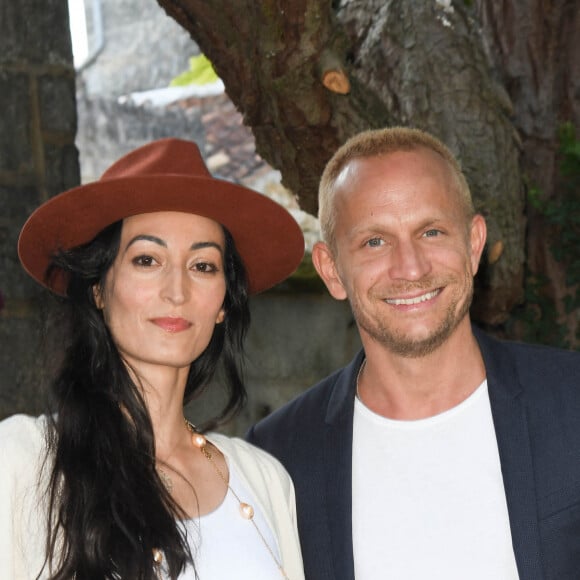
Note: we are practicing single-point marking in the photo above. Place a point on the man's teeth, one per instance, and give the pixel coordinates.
(409, 301)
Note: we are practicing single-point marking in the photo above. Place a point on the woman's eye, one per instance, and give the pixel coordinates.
(205, 267)
(144, 261)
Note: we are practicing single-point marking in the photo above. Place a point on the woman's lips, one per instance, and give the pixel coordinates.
(170, 324)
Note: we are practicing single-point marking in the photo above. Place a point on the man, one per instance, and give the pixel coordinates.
(439, 452)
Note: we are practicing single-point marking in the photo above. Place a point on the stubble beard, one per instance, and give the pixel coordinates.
(400, 343)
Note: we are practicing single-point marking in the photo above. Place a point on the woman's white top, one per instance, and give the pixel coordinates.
(225, 545)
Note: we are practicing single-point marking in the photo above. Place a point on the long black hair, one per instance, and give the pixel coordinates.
(107, 508)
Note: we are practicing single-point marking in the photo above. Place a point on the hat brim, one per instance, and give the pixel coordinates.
(267, 237)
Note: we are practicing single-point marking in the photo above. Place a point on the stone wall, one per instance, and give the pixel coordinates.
(295, 339)
(38, 159)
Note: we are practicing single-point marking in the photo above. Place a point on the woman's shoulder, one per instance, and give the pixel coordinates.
(22, 439)
(22, 495)
(249, 458)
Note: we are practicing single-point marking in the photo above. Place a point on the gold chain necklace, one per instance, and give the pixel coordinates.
(246, 510)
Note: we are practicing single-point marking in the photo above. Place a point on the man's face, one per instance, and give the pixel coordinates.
(405, 254)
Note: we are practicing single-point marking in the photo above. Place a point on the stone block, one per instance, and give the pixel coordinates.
(62, 168)
(16, 204)
(34, 31)
(57, 103)
(23, 372)
(15, 146)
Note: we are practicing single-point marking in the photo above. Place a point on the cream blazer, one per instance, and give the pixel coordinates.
(23, 503)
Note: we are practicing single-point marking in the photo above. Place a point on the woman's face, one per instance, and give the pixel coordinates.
(163, 295)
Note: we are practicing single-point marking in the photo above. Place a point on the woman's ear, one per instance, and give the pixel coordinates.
(98, 296)
(221, 316)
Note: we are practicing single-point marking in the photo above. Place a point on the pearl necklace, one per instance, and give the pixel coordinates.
(246, 510)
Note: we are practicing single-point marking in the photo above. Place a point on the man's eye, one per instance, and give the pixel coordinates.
(375, 242)
(432, 233)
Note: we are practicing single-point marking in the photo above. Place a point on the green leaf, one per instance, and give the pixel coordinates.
(200, 72)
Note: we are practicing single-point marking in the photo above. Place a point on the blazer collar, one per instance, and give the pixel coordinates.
(337, 447)
(340, 406)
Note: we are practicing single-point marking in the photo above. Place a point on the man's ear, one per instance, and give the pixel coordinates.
(477, 238)
(98, 296)
(324, 262)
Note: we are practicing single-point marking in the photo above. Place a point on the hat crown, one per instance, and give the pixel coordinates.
(162, 157)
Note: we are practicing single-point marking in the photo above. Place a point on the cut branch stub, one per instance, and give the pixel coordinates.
(333, 76)
(336, 81)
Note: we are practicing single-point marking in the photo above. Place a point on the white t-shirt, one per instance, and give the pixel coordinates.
(428, 496)
(227, 546)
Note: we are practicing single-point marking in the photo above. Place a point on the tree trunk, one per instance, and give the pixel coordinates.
(535, 47)
(433, 65)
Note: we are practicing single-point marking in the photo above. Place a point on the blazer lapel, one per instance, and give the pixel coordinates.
(513, 440)
(338, 458)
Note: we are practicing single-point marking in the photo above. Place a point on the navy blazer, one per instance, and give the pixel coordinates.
(535, 401)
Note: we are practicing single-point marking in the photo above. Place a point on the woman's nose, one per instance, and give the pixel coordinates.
(175, 287)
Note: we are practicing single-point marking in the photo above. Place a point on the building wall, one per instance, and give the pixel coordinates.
(142, 48)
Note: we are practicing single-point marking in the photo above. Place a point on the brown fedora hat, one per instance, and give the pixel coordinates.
(165, 175)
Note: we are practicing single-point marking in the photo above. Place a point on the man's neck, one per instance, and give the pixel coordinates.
(409, 388)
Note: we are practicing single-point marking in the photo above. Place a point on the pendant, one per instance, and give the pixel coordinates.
(246, 510)
(198, 440)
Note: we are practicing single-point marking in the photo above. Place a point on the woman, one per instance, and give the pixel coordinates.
(156, 260)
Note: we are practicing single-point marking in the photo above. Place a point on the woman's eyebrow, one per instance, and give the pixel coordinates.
(147, 238)
(199, 245)
(159, 241)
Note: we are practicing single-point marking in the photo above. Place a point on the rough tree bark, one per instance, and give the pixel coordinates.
(535, 48)
(474, 76)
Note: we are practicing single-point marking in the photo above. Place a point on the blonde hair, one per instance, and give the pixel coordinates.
(372, 144)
